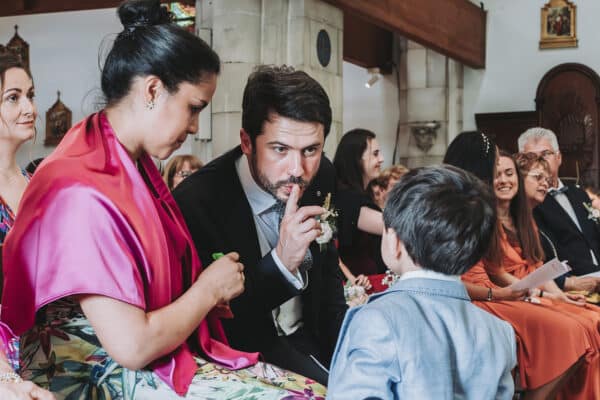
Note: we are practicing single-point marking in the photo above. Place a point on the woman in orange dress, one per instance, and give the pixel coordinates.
(551, 345)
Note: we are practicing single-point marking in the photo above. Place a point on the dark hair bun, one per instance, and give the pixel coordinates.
(136, 13)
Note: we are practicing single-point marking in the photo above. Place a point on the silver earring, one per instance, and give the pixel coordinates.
(150, 104)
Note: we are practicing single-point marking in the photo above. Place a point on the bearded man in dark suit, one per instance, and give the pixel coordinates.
(563, 219)
(262, 200)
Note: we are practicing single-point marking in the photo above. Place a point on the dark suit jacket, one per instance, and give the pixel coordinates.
(220, 219)
(571, 244)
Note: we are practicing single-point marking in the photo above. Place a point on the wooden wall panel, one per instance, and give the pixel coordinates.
(505, 128)
(367, 44)
(23, 7)
(455, 28)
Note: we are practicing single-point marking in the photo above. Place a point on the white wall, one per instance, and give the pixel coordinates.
(64, 53)
(375, 108)
(515, 64)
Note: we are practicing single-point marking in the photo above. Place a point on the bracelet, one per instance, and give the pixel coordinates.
(541, 292)
(10, 377)
(490, 296)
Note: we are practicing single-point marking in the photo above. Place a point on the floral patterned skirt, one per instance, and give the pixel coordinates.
(62, 354)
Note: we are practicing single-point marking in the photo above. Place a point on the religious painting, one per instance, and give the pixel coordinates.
(558, 25)
(58, 122)
(19, 47)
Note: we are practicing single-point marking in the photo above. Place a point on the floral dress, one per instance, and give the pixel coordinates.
(7, 216)
(7, 219)
(51, 354)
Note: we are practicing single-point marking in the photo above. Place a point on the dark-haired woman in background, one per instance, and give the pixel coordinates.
(110, 301)
(357, 161)
(551, 346)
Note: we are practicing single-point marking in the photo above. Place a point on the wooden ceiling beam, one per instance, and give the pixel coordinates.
(24, 7)
(455, 28)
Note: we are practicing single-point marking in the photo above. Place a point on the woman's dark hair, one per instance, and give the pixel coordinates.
(474, 152)
(347, 161)
(286, 92)
(519, 207)
(8, 61)
(444, 216)
(151, 45)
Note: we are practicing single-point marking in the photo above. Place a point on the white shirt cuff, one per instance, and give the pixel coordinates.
(295, 279)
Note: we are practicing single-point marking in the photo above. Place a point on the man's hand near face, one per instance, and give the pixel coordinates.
(298, 229)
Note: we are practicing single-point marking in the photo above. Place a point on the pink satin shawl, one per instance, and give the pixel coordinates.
(89, 224)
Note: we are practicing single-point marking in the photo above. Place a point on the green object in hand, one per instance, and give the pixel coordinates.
(216, 256)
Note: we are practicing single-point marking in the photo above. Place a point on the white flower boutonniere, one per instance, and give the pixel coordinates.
(389, 279)
(593, 213)
(328, 223)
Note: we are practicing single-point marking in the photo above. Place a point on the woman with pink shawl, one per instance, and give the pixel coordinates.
(102, 282)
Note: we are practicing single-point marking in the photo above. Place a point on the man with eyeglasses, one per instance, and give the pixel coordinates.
(563, 217)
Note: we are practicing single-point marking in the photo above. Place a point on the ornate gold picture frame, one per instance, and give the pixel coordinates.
(559, 24)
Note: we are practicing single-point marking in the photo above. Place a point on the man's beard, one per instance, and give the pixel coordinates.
(273, 188)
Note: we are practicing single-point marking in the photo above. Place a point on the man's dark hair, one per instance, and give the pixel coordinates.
(444, 216)
(286, 92)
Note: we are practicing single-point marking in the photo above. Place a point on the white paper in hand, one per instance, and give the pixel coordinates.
(547, 272)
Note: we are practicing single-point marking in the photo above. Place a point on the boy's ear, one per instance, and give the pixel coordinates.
(393, 243)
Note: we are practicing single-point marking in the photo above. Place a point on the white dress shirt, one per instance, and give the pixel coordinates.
(429, 274)
(288, 316)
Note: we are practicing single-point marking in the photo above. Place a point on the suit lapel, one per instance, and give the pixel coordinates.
(238, 222)
(577, 201)
(551, 207)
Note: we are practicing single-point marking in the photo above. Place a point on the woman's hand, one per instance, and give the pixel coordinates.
(24, 391)
(575, 299)
(225, 277)
(506, 293)
(589, 284)
(363, 281)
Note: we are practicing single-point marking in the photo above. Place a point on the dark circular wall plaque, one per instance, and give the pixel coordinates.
(323, 47)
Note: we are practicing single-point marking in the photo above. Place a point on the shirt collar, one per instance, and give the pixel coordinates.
(260, 201)
(560, 184)
(429, 274)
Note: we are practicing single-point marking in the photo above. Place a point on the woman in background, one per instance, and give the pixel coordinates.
(380, 186)
(180, 167)
(357, 161)
(17, 125)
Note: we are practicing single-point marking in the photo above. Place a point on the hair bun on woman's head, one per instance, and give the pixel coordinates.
(137, 13)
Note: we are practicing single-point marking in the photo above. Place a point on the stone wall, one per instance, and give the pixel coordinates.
(430, 95)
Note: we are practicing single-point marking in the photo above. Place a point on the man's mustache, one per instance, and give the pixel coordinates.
(292, 180)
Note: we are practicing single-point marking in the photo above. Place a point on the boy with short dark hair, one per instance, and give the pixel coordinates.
(422, 338)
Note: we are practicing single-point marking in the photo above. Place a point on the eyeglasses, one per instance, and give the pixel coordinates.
(546, 154)
(539, 177)
(183, 173)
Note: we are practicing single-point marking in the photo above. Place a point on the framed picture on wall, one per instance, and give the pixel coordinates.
(558, 23)
(58, 122)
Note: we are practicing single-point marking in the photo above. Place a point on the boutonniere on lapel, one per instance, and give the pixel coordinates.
(593, 213)
(328, 223)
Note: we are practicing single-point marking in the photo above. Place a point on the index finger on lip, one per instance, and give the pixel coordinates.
(292, 202)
